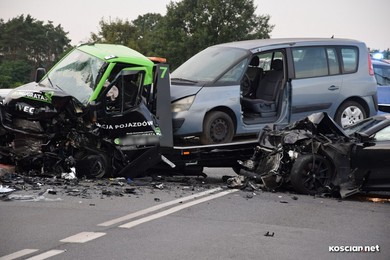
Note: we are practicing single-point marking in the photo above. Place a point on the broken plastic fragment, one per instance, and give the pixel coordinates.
(159, 186)
(69, 175)
(236, 182)
(31, 198)
(5, 189)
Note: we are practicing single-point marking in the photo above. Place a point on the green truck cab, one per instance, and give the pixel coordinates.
(96, 110)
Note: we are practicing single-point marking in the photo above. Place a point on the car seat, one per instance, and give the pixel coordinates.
(253, 72)
(264, 101)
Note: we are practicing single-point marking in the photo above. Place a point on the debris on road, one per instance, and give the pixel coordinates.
(38, 188)
(5, 190)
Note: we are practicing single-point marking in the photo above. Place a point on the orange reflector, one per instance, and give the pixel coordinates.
(185, 153)
(158, 59)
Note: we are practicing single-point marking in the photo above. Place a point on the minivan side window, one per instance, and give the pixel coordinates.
(334, 67)
(349, 56)
(310, 62)
(265, 59)
(323, 61)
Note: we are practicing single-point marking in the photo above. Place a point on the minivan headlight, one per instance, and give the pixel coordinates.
(182, 104)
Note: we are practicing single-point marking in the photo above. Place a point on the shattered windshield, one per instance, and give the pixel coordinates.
(209, 64)
(76, 75)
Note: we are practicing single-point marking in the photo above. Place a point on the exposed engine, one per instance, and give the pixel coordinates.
(279, 152)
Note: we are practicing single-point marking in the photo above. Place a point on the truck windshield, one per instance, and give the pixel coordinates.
(76, 75)
(209, 64)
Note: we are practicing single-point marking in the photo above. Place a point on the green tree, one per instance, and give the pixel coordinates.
(116, 32)
(26, 44)
(14, 73)
(192, 25)
(188, 27)
(149, 27)
(138, 34)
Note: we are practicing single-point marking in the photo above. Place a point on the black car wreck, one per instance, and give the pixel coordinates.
(316, 156)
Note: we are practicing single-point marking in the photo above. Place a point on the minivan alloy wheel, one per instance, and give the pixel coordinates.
(350, 113)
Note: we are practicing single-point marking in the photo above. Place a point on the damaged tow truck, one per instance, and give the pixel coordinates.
(315, 156)
(103, 110)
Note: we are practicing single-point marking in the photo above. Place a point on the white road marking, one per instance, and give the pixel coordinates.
(82, 237)
(88, 236)
(46, 255)
(157, 207)
(175, 209)
(18, 254)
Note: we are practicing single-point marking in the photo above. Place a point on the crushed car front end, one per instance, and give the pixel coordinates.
(311, 156)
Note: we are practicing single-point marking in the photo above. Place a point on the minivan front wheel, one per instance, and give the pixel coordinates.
(218, 127)
(350, 113)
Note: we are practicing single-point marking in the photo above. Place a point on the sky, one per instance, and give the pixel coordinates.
(363, 20)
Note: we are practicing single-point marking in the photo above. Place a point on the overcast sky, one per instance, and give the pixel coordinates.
(363, 20)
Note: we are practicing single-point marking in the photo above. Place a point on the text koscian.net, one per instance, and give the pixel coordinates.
(375, 248)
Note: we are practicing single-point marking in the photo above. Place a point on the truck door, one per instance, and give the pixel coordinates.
(122, 114)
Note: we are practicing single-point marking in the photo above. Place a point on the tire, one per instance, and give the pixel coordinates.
(218, 127)
(92, 165)
(311, 174)
(350, 113)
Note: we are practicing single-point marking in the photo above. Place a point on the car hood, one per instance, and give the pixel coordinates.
(181, 91)
(35, 91)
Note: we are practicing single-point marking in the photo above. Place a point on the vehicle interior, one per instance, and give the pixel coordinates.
(262, 86)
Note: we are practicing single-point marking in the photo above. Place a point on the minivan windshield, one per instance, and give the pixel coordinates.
(209, 64)
(76, 75)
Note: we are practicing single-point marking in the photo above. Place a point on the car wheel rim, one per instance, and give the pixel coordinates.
(317, 176)
(219, 130)
(351, 115)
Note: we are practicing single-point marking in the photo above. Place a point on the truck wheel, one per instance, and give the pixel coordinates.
(349, 113)
(310, 174)
(218, 127)
(92, 165)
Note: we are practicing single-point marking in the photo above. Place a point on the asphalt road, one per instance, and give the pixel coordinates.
(188, 218)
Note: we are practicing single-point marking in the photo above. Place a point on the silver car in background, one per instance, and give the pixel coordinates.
(235, 89)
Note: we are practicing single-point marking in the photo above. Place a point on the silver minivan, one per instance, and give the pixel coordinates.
(235, 89)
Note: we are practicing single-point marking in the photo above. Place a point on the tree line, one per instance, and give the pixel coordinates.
(25, 44)
(188, 27)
